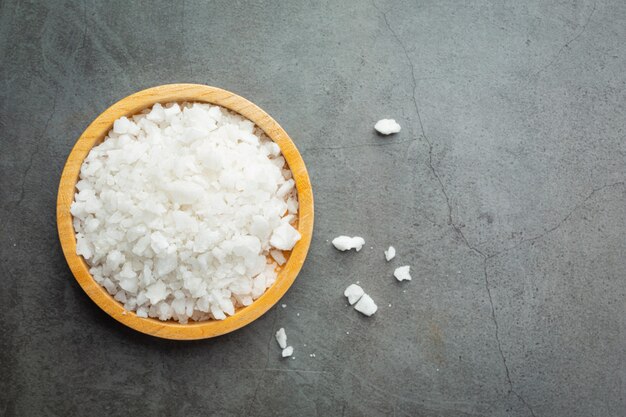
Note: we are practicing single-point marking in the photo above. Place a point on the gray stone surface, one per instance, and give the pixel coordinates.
(504, 191)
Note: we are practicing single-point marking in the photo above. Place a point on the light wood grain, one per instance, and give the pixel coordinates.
(96, 132)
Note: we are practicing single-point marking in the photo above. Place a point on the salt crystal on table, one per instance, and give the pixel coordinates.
(344, 243)
(281, 338)
(402, 273)
(387, 126)
(288, 351)
(366, 305)
(390, 253)
(353, 293)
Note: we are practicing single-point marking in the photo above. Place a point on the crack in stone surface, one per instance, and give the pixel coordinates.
(267, 362)
(541, 235)
(31, 160)
(488, 287)
(494, 318)
(363, 145)
(567, 44)
(450, 221)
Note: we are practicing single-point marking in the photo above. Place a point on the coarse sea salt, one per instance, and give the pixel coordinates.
(178, 209)
(366, 305)
(353, 293)
(288, 351)
(390, 253)
(387, 126)
(344, 243)
(402, 273)
(281, 338)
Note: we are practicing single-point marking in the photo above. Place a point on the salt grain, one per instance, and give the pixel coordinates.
(353, 293)
(402, 273)
(390, 253)
(387, 126)
(281, 338)
(288, 351)
(366, 305)
(344, 243)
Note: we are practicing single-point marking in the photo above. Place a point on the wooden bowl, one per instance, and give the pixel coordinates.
(95, 134)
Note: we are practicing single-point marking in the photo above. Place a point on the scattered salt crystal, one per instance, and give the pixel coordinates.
(344, 243)
(402, 273)
(387, 126)
(283, 305)
(178, 209)
(353, 293)
(281, 338)
(366, 305)
(390, 253)
(288, 351)
(298, 314)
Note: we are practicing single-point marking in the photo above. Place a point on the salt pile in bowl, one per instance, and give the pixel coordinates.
(178, 209)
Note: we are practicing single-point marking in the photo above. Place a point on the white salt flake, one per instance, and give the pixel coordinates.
(402, 273)
(387, 126)
(288, 351)
(366, 305)
(278, 257)
(281, 338)
(344, 243)
(390, 253)
(122, 125)
(353, 293)
(285, 237)
(156, 292)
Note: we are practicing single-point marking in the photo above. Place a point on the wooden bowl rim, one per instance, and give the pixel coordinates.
(132, 105)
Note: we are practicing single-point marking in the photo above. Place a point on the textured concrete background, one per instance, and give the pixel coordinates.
(504, 191)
